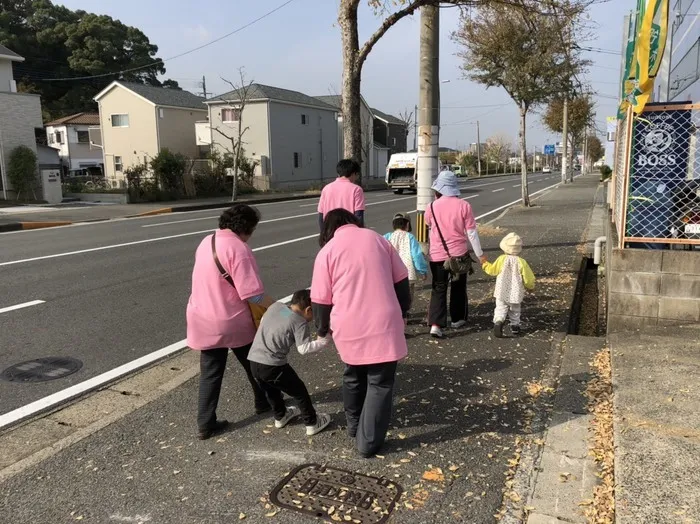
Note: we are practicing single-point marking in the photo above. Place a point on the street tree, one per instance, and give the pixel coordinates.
(581, 114)
(521, 51)
(237, 99)
(409, 120)
(497, 150)
(594, 149)
(355, 55)
(59, 43)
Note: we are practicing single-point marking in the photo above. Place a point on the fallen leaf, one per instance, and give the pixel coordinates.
(241, 516)
(434, 475)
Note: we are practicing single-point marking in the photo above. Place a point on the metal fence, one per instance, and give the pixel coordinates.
(657, 177)
(621, 170)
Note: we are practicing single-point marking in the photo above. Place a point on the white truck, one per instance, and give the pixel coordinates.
(402, 172)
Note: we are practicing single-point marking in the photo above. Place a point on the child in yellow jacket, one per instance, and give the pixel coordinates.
(513, 277)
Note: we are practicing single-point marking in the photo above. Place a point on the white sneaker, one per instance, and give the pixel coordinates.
(292, 413)
(459, 324)
(436, 332)
(322, 421)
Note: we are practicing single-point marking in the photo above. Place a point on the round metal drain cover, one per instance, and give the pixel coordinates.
(41, 369)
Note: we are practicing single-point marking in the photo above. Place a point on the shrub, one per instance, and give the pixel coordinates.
(21, 170)
(605, 172)
(169, 171)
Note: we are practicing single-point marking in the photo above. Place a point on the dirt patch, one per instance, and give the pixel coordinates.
(601, 510)
(490, 231)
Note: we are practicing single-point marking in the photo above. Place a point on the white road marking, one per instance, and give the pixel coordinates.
(21, 306)
(148, 240)
(470, 196)
(270, 220)
(514, 202)
(517, 185)
(64, 395)
(497, 190)
(86, 386)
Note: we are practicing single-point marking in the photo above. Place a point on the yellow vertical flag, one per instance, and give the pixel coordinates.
(650, 49)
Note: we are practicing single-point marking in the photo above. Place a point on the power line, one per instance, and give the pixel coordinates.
(162, 61)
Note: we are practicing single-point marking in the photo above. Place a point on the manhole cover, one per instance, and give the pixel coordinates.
(337, 495)
(41, 369)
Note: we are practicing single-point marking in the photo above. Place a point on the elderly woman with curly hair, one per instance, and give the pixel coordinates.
(225, 281)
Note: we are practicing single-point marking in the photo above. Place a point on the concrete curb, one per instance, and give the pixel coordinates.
(25, 226)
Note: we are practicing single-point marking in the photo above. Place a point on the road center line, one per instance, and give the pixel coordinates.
(497, 190)
(21, 306)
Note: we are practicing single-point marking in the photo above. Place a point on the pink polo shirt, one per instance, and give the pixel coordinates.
(455, 218)
(341, 193)
(218, 315)
(355, 273)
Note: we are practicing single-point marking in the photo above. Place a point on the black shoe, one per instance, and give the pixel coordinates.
(498, 330)
(515, 330)
(260, 408)
(218, 427)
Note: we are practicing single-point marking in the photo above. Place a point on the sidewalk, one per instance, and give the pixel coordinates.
(29, 217)
(465, 408)
(656, 377)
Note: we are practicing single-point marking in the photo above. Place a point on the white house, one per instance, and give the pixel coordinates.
(20, 117)
(292, 136)
(372, 152)
(70, 135)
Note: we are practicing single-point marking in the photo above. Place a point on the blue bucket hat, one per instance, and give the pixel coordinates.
(446, 184)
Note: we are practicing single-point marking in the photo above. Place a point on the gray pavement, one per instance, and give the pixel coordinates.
(462, 405)
(656, 373)
(115, 291)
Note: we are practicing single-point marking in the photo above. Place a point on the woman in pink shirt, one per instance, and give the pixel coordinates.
(360, 293)
(453, 217)
(218, 312)
(343, 193)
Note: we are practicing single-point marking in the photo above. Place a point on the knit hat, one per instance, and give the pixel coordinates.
(446, 184)
(511, 244)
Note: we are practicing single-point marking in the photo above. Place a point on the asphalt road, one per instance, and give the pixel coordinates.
(115, 291)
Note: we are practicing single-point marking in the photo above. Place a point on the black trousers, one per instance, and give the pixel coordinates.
(459, 304)
(368, 393)
(275, 380)
(212, 365)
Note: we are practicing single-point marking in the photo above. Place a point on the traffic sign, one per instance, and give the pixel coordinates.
(549, 149)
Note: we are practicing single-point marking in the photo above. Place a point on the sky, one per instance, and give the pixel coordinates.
(299, 48)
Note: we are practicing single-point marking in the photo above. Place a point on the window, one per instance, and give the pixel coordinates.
(58, 137)
(297, 160)
(393, 141)
(304, 120)
(161, 112)
(120, 120)
(83, 137)
(686, 71)
(118, 166)
(230, 115)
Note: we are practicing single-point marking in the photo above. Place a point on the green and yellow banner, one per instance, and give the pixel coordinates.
(648, 42)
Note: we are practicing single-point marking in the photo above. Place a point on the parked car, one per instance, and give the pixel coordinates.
(546, 169)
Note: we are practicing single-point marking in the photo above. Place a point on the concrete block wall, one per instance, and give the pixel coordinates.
(652, 287)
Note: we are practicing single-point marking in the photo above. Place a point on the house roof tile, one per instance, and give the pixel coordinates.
(264, 92)
(387, 117)
(90, 119)
(164, 96)
(4, 51)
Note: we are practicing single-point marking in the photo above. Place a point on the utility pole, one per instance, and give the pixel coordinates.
(204, 87)
(565, 150)
(478, 148)
(415, 128)
(429, 119)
